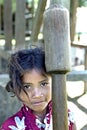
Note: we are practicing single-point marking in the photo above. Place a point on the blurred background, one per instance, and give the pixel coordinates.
(21, 23)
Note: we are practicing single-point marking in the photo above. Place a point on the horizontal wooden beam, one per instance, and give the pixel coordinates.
(74, 44)
(77, 76)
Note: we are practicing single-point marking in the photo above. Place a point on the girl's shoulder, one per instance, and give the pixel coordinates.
(13, 121)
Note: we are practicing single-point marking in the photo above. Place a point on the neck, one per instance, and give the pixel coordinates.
(40, 115)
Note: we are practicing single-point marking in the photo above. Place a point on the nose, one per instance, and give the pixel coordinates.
(36, 93)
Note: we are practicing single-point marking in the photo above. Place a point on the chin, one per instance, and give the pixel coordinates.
(39, 108)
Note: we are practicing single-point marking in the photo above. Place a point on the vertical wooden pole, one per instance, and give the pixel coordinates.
(73, 5)
(20, 24)
(38, 20)
(0, 18)
(59, 100)
(57, 39)
(8, 23)
(85, 83)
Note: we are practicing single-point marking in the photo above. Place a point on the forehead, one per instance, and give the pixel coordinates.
(34, 75)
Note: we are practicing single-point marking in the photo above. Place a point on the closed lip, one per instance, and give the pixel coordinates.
(38, 102)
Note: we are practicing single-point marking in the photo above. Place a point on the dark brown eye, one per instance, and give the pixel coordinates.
(44, 84)
(27, 86)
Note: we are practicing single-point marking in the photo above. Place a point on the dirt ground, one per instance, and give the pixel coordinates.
(77, 102)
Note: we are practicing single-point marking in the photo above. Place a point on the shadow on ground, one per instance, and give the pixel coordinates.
(77, 101)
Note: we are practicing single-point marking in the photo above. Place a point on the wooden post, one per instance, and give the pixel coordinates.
(8, 23)
(20, 24)
(38, 20)
(0, 18)
(85, 83)
(57, 39)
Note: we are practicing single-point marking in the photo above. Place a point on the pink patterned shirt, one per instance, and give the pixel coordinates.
(26, 120)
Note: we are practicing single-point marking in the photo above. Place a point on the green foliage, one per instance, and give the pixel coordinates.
(1, 2)
(82, 3)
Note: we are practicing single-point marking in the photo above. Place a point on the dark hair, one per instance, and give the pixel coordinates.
(22, 61)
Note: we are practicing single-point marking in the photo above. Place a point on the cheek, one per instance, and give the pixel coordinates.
(49, 93)
(23, 96)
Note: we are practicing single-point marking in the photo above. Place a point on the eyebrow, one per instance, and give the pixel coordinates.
(46, 79)
(24, 83)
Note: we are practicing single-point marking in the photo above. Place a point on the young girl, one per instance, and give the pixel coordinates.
(30, 82)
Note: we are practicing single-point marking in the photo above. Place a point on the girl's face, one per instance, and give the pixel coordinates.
(38, 89)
